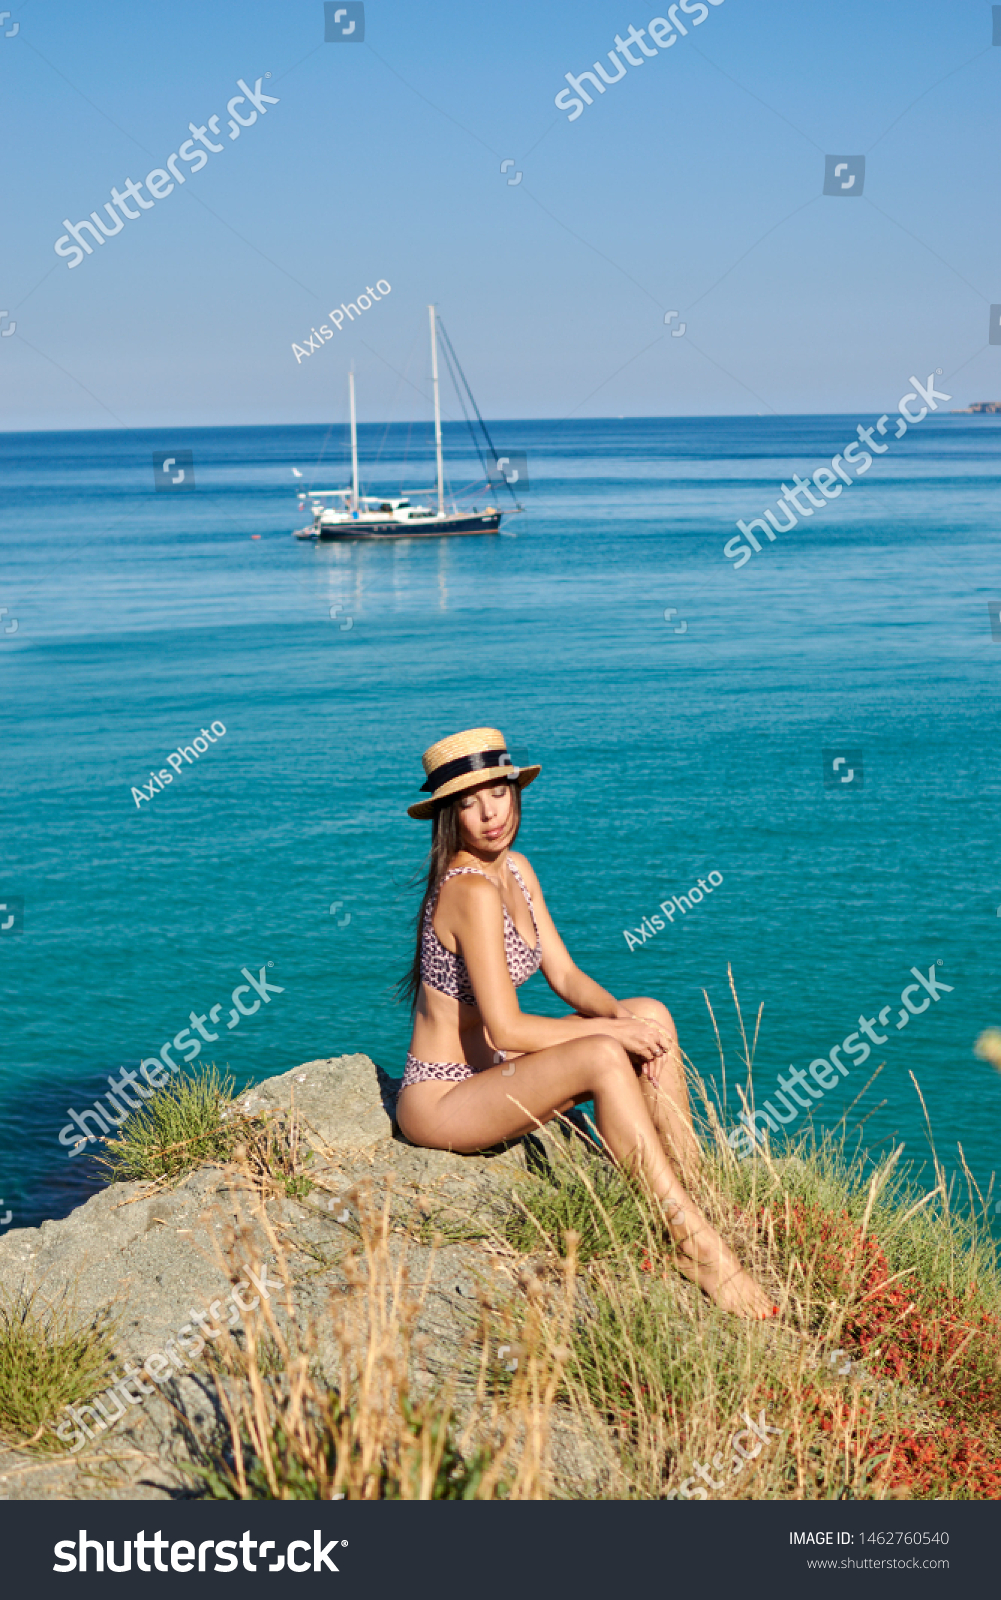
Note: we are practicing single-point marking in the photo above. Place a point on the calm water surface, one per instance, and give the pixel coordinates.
(143, 617)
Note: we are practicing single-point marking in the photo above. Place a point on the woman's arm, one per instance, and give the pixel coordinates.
(474, 915)
(561, 972)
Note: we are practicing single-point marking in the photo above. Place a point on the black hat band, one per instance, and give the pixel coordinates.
(480, 761)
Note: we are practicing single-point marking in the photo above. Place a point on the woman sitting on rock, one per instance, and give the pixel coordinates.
(480, 1071)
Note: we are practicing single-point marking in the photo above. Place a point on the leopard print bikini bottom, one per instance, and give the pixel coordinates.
(417, 1071)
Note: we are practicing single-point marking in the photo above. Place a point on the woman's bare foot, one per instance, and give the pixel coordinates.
(704, 1258)
(731, 1287)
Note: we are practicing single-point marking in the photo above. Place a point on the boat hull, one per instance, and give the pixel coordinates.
(432, 529)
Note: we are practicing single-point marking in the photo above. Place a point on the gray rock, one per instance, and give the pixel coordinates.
(346, 1101)
(152, 1257)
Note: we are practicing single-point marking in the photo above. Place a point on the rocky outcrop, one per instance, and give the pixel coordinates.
(153, 1258)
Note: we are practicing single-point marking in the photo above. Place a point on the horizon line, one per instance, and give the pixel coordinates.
(705, 416)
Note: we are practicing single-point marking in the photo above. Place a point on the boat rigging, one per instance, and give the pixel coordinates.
(348, 514)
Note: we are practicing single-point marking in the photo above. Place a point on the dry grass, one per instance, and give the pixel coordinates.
(588, 1366)
(586, 1330)
(336, 1411)
(860, 1262)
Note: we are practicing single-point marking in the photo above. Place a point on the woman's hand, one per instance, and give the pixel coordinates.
(645, 1041)
(653, 1065)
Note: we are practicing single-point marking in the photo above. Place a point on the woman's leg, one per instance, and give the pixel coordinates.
(665, 1089)
(505, 1102)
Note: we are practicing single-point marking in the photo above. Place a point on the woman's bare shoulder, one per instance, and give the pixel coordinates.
(468, 891)
(526, 869)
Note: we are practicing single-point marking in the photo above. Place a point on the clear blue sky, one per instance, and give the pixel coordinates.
(693, 184)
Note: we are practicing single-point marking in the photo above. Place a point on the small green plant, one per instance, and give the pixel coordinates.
(584, 1195)
(440, 1225)
(48, 1359)
(188, 1122)
(197, 1119)
(273, 1151)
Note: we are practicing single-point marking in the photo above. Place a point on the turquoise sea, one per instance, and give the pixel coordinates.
(142, 617)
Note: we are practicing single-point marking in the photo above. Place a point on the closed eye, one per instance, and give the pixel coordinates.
(496, 794)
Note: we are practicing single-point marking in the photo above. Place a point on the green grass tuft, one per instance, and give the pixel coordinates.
(585, 1195)
(48, 1360)
(182, 1126)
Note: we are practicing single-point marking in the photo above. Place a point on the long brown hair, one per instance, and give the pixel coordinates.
(446, 842)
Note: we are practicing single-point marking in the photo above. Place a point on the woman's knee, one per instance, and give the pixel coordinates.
(609, 1060)
(652, 1011)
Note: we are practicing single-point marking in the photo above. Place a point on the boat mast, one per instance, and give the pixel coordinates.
(437, 415)
(354, 443)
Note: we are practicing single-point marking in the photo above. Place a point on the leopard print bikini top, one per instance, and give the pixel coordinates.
(446, 972)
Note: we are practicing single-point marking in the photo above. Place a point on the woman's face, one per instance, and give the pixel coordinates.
(487, 817)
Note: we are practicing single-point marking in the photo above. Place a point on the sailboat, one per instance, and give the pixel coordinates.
(348, 514)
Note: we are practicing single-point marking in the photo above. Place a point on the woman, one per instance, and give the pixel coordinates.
(481, 1071)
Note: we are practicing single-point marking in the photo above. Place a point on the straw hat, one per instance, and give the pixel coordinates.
(465, 760)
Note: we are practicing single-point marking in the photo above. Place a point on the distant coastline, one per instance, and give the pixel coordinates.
(979, 408)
